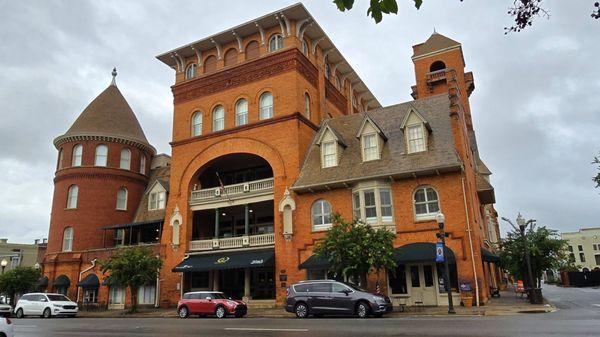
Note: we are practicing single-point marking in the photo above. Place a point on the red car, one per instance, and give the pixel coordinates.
(204, 303)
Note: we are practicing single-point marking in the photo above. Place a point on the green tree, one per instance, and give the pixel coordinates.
(354, 249)
(132, 268)
(596, 179)
(546, 250)
(523, 11)
(18, 280)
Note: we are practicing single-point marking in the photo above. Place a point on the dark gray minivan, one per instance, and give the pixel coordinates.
(329, 297)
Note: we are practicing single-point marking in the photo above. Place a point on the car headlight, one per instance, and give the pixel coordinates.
(58, 305)
(231, 303)
(378, 299)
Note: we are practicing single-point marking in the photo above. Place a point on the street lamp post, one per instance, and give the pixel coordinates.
(442, 236)
(4, 263)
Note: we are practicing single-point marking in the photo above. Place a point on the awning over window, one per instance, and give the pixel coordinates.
(488, 256)
(420, 252)
(90, 281)
(42, 283)
(136, 224)
(62, 281)
(315, 262)
(227, 260)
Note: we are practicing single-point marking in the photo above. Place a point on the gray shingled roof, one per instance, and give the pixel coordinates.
(395, 162)
(160, 174)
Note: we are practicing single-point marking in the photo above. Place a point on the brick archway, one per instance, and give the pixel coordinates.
(233, 146)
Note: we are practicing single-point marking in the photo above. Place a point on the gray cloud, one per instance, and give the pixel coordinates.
(535, 106)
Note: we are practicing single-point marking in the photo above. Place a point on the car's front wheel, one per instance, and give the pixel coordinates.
(301, 310)
(362, 310)
(47, 313)
(20, 313)
(220, 312)
(183, 312)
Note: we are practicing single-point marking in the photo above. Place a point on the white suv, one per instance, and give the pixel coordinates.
(45, 305)
(6, 328)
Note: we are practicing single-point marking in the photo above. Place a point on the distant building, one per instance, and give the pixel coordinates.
(584, 247)
(21, 254)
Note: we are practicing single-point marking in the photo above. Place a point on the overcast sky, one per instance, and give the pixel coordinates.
(535, 106)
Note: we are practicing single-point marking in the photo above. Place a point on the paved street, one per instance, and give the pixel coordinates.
(578, 316)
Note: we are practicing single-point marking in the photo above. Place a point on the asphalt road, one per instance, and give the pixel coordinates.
(579, 315)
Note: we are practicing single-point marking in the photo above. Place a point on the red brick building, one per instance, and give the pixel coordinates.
(273, 132)
(106, 175)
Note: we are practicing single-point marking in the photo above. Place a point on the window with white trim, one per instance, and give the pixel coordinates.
(77, 155)
(67, 245)
(416, 138)
(116, 295)
(147, 294)
(59, 165)
(266, 105)
(321, 215)
(72, 197)
(306, 105)
(329, 154)
(191, 71)
(426, 203)
(372, 203)
(370, 146)
(90, 295)
(157, 200)
(275, 43)
(218, 118)
(241, 112)
(143, 164)
(101, 155)
(122, 199)
(197, 124)
(125, 159)
(120, 237)
(304, 47)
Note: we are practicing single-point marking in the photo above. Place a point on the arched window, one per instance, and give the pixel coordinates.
(101, 155)
(231, 57)
(427, 204)
(67, 245)
(77, 155)
(241, 112)
(122, 199)
(252, 50)
(266, 105)
(59, 165)
(210, 64)
(125, 159)
(218, 118)
(306, 105)
(143, 164)
(326, 67)
(197, 124)
(338, 83)
(304, 47)
(437, 65)
(275, 42)
(321, 214)
(72, 196)
(190, 71)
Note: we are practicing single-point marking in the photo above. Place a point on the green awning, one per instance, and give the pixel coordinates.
(315, 262)
(420, 252)
(62, 281)
(488, 256)
(227, 260)
(89, 282)
(42, 283)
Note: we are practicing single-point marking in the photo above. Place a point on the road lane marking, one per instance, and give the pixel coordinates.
(267, 329)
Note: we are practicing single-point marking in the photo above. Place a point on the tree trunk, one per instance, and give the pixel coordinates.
(134, 299)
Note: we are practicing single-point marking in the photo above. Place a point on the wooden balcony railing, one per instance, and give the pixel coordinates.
(235, 191)
(234, 242)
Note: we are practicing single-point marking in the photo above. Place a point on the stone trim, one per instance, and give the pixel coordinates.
(83, 172)
(103, 138)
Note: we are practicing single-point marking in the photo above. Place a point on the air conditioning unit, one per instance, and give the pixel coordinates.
(217, 192)
(246, 187)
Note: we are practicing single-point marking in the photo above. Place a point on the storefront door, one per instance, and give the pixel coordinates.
(422, 287)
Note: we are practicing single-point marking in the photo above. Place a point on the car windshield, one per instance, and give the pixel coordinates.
(219, 296)
(58, 298)
(354, 287)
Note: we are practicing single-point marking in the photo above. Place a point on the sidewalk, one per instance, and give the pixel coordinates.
(507, 304)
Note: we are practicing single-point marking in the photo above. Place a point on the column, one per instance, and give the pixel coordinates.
(246, 219)
(215, 280)
(247, 277)
(216, 223)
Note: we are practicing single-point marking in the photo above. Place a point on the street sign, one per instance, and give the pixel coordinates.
(439, 252)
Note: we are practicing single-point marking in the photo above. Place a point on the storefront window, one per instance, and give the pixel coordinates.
(397, 280)
(146, 294)
(453, 277)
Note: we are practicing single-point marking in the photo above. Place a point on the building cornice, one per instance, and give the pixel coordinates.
(60, 140)
(98, 173)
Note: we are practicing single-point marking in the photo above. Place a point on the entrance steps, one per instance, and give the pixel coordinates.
(261, 304)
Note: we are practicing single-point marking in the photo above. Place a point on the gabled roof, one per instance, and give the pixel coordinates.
(337, 135)
(436, 42)
(395, 162)
(369, 120)
(159, 175)
(416, 113)
(482, 168)
(109, 114)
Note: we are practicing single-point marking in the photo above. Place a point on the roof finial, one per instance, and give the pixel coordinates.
(434, 32)
(114, 75)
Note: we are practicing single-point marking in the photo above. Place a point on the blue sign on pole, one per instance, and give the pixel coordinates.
(439, 252)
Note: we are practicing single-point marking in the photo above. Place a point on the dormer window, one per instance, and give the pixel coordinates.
(370, 147)
(157, 200)
(416, 138)
(329, 154)
(416, 131)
